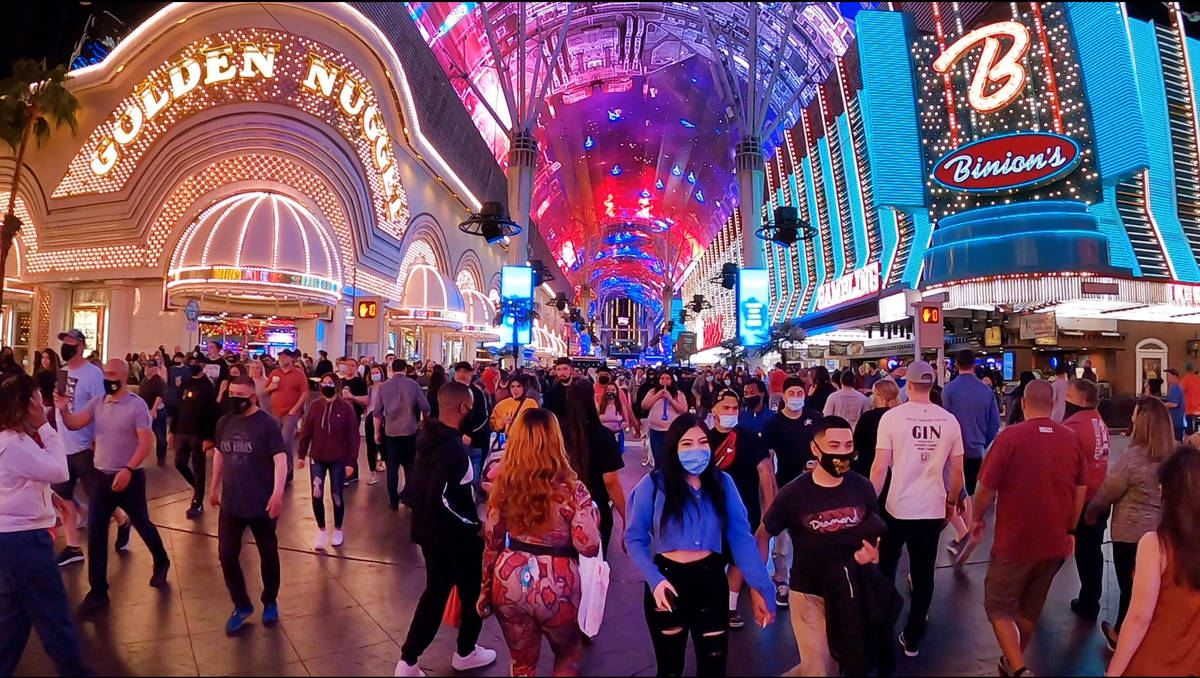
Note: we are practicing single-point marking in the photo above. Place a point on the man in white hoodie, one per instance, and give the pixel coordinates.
(31, 589)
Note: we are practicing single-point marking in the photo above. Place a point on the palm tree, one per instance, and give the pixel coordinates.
(782, 336)
(30, 100)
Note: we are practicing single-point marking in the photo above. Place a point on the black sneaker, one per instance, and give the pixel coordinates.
(1088, 612)
(122, 543)
(159, 577)
(70, 554)
(735, 620)
(93, 601)
(910, 649)
(781, 595)
(196, 510)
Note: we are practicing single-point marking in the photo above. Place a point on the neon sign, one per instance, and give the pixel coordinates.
(1004, 73)
(856, 284)
(1007, 161)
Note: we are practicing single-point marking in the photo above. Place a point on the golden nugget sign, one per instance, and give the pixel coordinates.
(240, 67)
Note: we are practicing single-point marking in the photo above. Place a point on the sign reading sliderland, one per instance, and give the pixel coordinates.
(239, 67)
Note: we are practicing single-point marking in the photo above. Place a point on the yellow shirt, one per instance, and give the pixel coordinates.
(510, 406)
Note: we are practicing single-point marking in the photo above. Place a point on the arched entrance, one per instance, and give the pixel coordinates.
(1152, 359)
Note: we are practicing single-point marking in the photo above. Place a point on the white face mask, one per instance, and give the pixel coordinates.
(795, 404)
(727, 420)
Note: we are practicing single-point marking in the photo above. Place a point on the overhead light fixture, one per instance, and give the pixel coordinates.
(787, 229)
(492, 223)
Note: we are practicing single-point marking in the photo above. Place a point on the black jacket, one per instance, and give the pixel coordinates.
(861, 607)
(478, 424)
(197, 411)
(443, 506)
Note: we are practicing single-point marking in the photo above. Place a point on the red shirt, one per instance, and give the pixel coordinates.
(1034, 467)
(293, 386)
(1090, 429)
(490, 376)
(775, 381)
(1191, 393)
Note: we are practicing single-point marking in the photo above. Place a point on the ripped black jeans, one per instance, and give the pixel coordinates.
(701, 610)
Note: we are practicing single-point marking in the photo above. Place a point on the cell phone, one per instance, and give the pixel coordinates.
(61, 386)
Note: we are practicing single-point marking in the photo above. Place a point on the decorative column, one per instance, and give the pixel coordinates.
(60, 312)
(335, 332)
(120, 320)
(751, 173)
(522, 158)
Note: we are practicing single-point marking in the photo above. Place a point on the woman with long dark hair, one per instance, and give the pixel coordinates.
(663, 404)
(684, 517)
(1015, 414)
(1131, 489)
(45, 371)
(593, 453)
(1161, 636)
(437, 378)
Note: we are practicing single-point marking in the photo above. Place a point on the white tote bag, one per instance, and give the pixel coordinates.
(593, 579)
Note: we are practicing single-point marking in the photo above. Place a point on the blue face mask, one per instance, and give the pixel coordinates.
(795, 404)
(694, 461)
(727, 421)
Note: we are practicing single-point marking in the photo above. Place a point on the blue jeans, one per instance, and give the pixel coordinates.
(337, 481)
(658, 447)
(32, 594)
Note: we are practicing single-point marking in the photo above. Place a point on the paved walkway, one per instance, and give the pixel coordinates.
(346, 612)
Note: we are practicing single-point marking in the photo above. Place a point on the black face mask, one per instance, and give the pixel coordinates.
(328, 391)
(610, 396)
(196, 369)
(69, 351)
(836, 465)
(111, 386)
(239, 404)
(753, 402)
(603, 380)
(1072, 408)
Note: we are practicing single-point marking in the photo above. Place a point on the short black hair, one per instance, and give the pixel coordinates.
(1087, 389)
(564, 360)
(399, 365)
(1063, 369)
(463, 365)
(832, 421)
(727, 393)
(793, 381)
(964, 359)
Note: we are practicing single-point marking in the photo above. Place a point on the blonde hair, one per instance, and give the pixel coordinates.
(535, 466)
(1152, 430)
(888, 391)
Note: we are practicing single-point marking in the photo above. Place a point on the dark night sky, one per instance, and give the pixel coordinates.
(51, 29)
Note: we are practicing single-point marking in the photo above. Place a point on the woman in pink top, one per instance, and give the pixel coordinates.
(664, 404)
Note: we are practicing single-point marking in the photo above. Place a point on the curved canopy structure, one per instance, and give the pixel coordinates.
(430, 298)
(257, 246)
(481, 313)
(640, 118)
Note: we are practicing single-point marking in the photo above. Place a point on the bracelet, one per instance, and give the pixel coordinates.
(129, 468)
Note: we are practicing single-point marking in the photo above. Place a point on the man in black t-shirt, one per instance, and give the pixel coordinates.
(752, 472)
(355, 391)
(249, 474)
(788, 436)
(831, 515)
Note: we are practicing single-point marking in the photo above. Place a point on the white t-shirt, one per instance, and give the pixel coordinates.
(1060, 386)
(921, 438)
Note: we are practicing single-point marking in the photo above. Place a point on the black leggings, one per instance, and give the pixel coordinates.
(1124, 556)
(449, 562)
(700, 610)
(372, 448)
(191, 463)
(921, 537)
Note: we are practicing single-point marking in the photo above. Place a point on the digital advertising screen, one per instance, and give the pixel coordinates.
(753, 319)
(516, 288)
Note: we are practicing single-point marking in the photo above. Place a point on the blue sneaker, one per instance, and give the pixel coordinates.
(270, 614)
(237, 619)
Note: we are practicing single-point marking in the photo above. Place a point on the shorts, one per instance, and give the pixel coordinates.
(81, 470)
(971, 473)
(1015, 589)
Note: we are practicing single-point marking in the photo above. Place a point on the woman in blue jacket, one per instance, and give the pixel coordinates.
(686, 522)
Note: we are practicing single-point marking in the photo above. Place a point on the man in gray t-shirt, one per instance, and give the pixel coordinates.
(123, 440)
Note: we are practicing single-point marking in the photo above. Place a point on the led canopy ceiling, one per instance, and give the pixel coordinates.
(637, 131)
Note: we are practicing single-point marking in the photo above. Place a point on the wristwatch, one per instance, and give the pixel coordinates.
(129, 468)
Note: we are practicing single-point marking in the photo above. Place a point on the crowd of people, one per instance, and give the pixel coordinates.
(799, 487)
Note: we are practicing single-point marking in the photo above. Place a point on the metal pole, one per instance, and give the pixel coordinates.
(486, 105)
(501, 69)
(780, 55)
(752, 76)
(562, 40)
(723, 61)
(522, 52)
(781, 116)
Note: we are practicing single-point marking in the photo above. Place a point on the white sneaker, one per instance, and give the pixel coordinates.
(338, 538)
(319, 545)
(405, 669)
(480, 656)
(373, 478)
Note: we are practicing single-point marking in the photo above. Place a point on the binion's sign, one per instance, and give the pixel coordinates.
(1007, 161)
